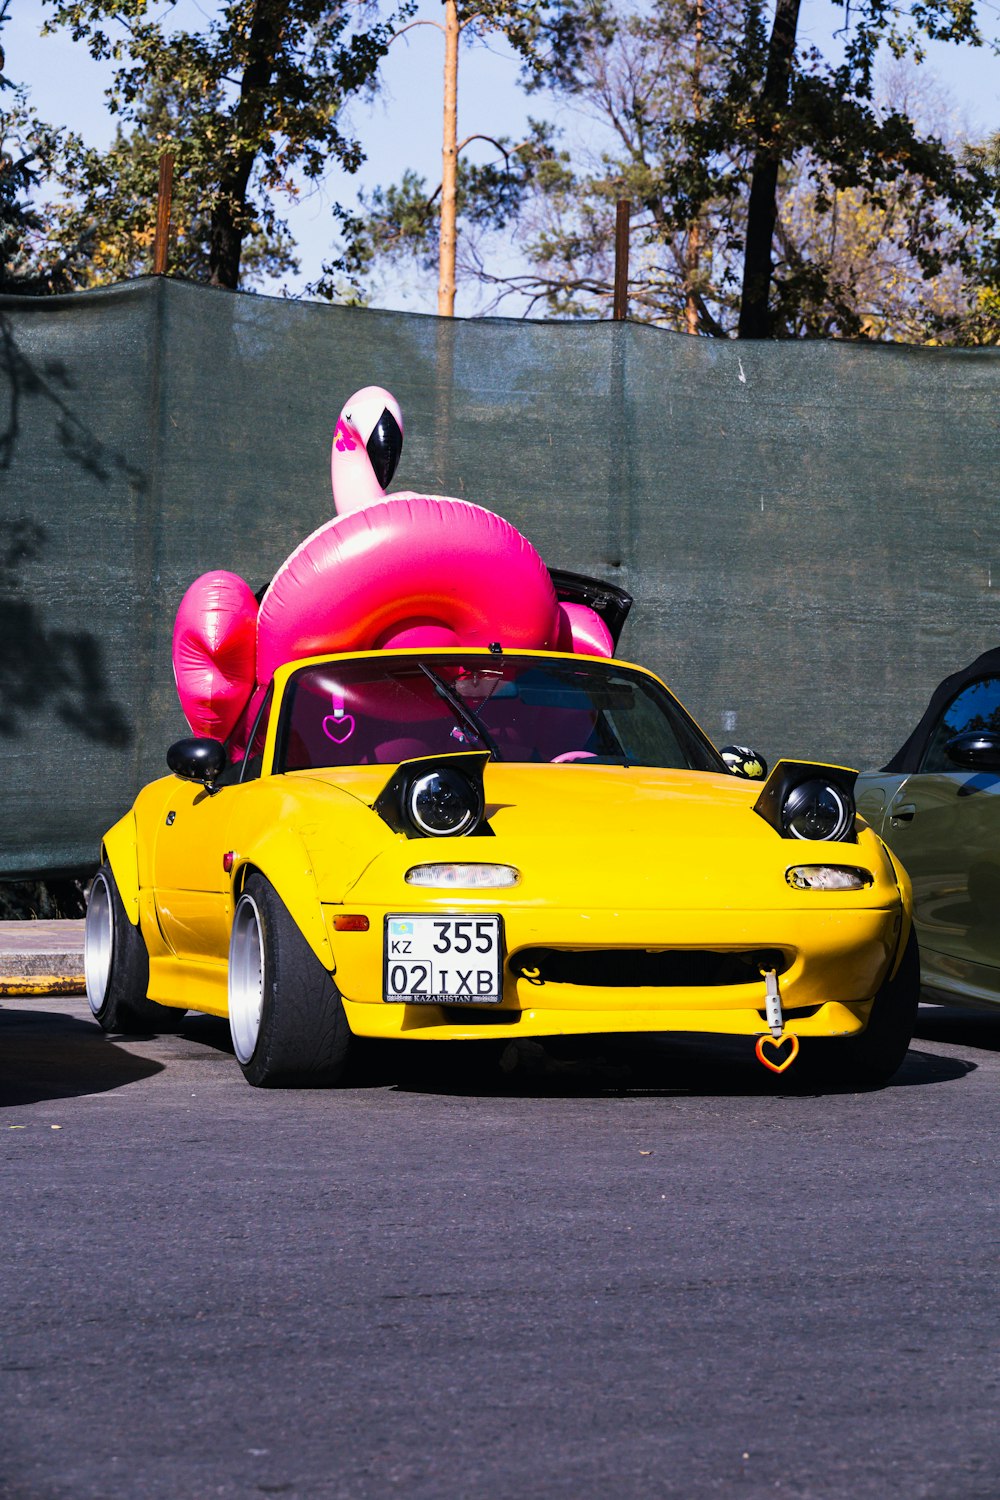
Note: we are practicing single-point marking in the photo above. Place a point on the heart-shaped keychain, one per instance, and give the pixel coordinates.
(339, 727)
(777, 1043)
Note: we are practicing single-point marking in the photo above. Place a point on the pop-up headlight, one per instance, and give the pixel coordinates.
(817, 809)
(437, 796)
(803, 800)
(443, 803)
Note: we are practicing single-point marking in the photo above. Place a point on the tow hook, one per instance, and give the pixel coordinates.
(775, 1020)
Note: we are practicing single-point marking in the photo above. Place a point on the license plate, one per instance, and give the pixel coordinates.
(451, 960)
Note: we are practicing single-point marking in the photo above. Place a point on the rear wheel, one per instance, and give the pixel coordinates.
(287, 1019)
(871, 1059)
(116, 964)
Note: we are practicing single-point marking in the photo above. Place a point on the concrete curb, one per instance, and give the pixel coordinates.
(41, 958)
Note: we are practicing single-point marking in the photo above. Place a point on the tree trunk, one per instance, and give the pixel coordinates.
(762, 209)
(449, 165)
(692, 257)
(692, 250)
(229, 223)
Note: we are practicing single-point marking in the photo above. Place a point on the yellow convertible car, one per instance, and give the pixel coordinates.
(458, 844)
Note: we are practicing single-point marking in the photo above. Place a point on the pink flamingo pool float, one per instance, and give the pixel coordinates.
(389, 571)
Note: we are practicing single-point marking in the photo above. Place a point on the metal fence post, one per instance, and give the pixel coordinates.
(163, 196)
(622, 217)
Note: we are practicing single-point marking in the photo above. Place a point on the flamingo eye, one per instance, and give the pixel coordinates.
(384, 447)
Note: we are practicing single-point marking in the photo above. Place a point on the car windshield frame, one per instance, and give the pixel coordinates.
(696, 751)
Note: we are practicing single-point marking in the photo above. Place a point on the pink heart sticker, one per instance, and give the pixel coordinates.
(339, 727)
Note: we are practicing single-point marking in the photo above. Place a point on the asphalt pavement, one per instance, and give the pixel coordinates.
(639, 1269)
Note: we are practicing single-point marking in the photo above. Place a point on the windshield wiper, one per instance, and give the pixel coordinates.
(463, 714)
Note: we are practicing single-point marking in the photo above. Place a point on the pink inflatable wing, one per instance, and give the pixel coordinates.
(582, 630)
(214, 651)
(410, 570)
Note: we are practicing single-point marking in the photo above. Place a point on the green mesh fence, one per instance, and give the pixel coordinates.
(810, 530)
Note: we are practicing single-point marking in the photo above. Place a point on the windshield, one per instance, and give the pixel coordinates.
(382, 711)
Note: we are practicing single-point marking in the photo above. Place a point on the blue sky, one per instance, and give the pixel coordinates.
(402, 127)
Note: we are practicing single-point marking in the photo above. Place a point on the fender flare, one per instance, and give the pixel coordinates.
(283, 860)
(119, 848)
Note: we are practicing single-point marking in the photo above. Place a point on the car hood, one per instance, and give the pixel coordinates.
(585, 835)
(526, 799)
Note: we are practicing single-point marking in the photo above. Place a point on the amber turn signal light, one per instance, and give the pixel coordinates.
(347, 923)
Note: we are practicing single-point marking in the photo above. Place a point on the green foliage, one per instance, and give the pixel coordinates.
(883, 227)
(754, 164)
(783, 108)
(27, 147)
(106, 218)
(401, 222)
(880, 222)
(977, 318)
(547, 35)
(18, 220)
(250, 105)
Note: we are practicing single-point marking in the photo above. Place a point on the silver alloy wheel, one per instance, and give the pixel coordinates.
(98, 941)
(246, 978)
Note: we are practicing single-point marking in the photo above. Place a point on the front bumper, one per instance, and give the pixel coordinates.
(832, 962)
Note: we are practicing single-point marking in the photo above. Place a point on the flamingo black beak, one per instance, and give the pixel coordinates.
(384, 447)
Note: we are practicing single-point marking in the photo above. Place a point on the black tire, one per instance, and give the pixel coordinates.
(116, 965)
(868, 1061)
(299, 1036)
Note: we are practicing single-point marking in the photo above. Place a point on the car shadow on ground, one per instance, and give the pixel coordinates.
(619, 1066)
(958, 1026)
(206, 1031)
(44, 1055)
(623, 1067)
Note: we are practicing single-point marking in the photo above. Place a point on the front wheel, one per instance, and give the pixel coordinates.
(870, 1060)
(286, 1017)
(116, 965)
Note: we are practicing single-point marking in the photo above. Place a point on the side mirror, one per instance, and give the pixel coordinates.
(198, 760)
(977, 750)
(743, 761)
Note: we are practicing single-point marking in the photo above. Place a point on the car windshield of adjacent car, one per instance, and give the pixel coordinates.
(975, 707)
(381, 712)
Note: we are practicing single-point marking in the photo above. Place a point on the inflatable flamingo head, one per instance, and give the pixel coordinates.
(366, 447)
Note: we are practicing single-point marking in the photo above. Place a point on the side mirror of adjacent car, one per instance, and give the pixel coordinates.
(977, 750)
(198, 760)
(743, 761)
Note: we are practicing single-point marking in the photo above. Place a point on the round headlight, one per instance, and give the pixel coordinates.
(817, 810)
(443, 803)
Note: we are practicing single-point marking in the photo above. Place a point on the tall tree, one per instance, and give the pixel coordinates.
(782, 104)
(406, 218)
(250, 104)
(772, 106)
(637, 75)
(770, 188)
(105, 216)
(402, 222)
(533, 31)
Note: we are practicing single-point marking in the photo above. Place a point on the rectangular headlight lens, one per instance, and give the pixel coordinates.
(469, 877)
(828, 877)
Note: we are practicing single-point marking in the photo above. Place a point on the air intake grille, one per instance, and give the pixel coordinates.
(631, 968)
